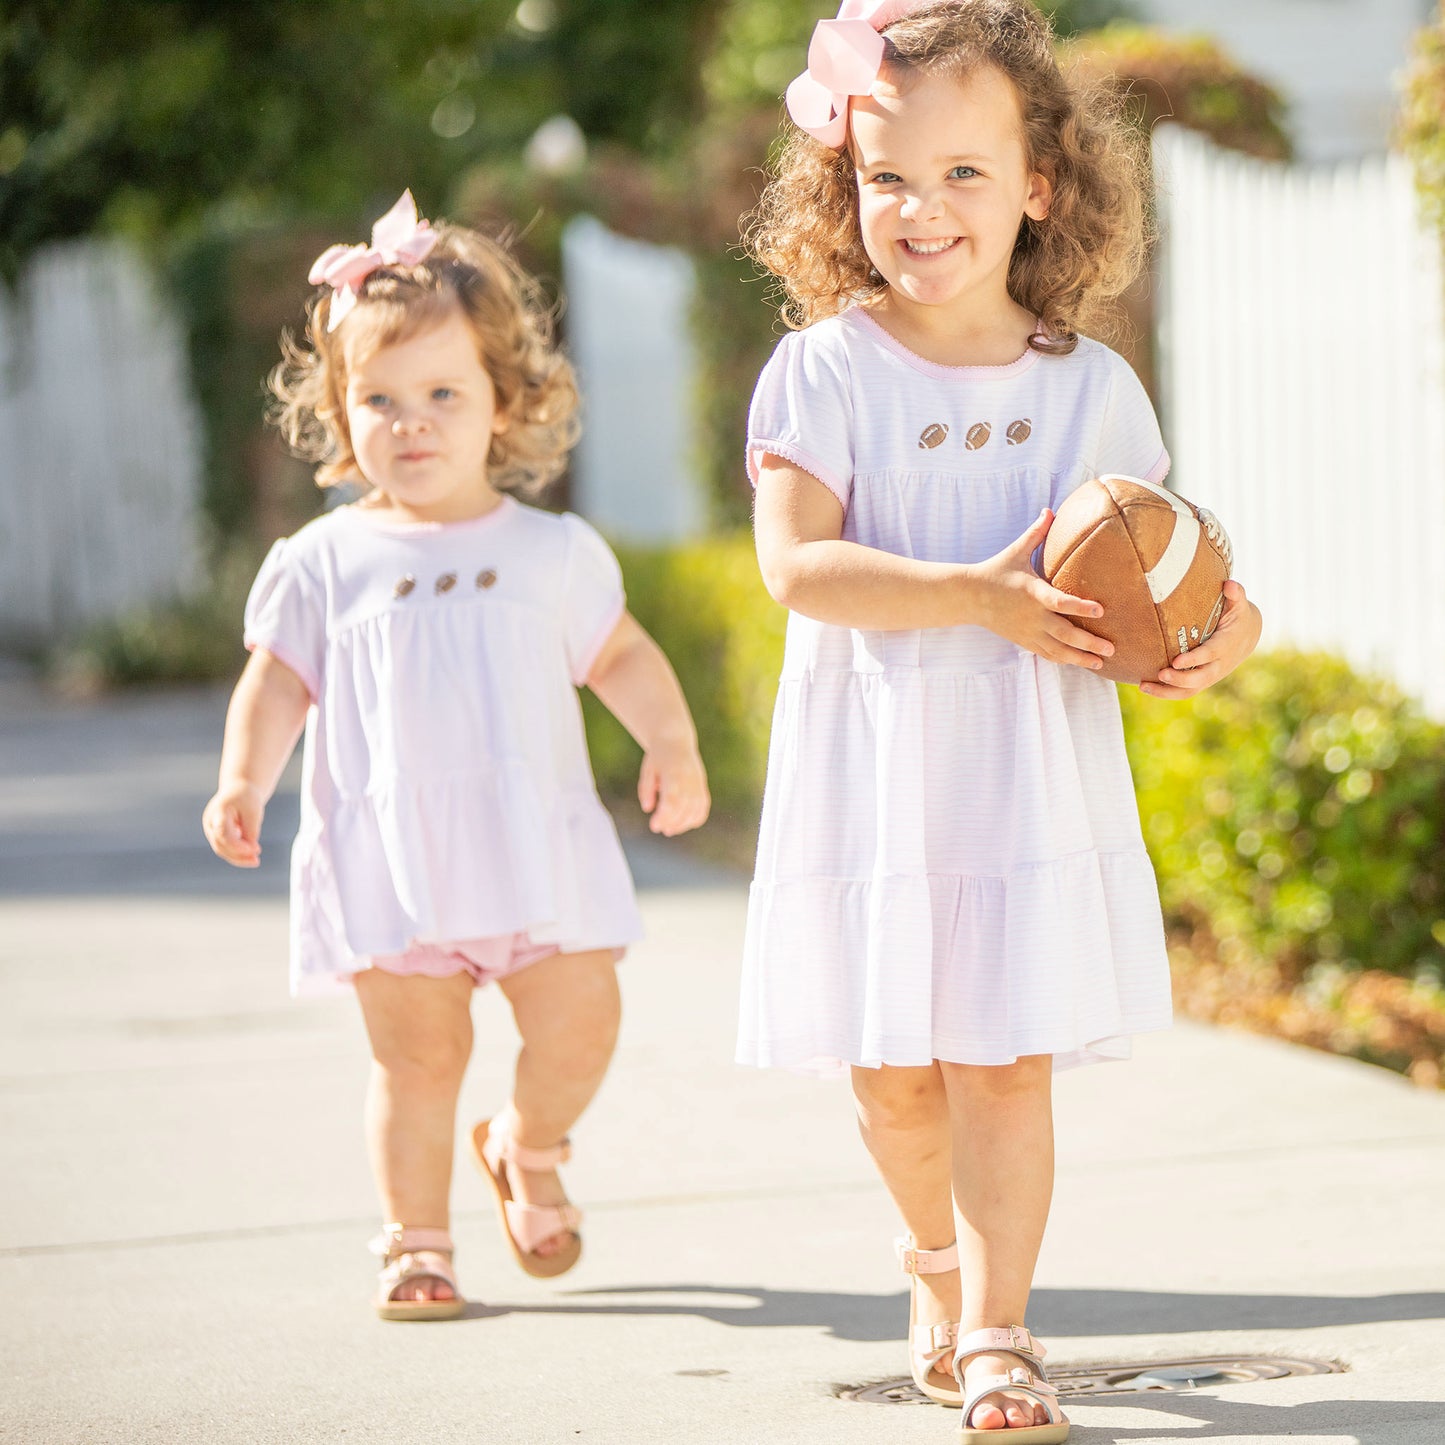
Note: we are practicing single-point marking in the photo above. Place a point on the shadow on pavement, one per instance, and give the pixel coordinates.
(1076, 1313)
(1347, 1421)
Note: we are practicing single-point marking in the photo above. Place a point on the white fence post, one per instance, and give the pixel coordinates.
(635, 471)
(100, 445)
(1302, 365)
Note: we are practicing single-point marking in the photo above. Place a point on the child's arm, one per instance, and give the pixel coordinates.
(635, 682)
(809, 569)
(1232, 641)
(266, 715)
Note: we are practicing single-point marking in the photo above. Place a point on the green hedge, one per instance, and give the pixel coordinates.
(706, 606)
(1297, 811)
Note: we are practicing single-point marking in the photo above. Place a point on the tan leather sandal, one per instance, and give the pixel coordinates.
(410, 1254)
(930, 1347)
(525, 1226)
(1027, 1379)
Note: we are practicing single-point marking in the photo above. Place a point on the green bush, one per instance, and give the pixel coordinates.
(706, 606)
(1296, 813)
(196, 639)
(1189, 80)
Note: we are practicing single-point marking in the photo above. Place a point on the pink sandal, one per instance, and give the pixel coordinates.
(401, 1250)
(525, 1226)
(929, 1346)
(1027, 1379)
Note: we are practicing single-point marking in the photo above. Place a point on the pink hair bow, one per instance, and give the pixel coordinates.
(844, 57)
(399, 238)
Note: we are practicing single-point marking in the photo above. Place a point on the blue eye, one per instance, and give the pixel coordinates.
(378, 399)
(963, 173)
(443, 393)
(883, 178)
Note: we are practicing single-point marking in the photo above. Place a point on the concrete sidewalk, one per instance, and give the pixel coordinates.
(186, 1200)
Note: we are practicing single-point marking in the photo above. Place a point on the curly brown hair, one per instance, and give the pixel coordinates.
(1065, 268)
(513, 325)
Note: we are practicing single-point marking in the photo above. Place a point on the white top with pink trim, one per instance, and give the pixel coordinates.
(447, 793)
(950, 864)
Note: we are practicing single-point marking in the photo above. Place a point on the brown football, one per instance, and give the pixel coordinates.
(1155, 563)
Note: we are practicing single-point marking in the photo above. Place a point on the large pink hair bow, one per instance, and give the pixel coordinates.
(844, 57)
(397, 239)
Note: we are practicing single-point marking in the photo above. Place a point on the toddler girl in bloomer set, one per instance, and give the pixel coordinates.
(952, 894)
(431, 637)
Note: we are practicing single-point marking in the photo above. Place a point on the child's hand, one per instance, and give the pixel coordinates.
(1021, 607)
(672, 787)
(232, 824)
(1231, 642)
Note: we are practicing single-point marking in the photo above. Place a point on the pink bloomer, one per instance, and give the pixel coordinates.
(485, 959)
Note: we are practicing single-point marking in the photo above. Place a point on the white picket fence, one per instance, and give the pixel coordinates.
(100, 445)
(1302, 366)
(636, 472)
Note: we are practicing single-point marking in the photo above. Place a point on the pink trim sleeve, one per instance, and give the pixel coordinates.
(583, 668)
(286, 659)
(757, 450)
(1159, 470)
(593, 597)
(286, 616)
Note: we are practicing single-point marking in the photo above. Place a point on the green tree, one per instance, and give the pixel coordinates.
(153, 115)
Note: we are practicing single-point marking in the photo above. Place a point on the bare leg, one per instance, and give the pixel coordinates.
(421, 1037)
(1003, 1176)
(903, 1117)
(567, 1009)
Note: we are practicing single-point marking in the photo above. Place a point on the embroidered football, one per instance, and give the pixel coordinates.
(1155, 563)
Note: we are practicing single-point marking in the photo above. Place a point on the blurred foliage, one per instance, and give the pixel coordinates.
(1296, 812)
(706, 606)
(197, 640)
(762, 44)
(212, 134)
(1190, 80)
(1421, 129)
(153, 115)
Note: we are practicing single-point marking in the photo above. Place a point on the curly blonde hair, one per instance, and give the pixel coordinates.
(1064, 269)
(513, 325)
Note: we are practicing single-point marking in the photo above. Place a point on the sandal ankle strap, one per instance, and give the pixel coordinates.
(396, 1239)
(1008, 1340)
(931, 1341)
(912, 1260)
(533, 1160)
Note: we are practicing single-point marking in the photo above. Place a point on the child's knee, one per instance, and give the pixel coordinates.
(896, 1098)
(424, 1066)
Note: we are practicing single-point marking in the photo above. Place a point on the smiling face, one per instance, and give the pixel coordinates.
(943, 185)
(422, 412)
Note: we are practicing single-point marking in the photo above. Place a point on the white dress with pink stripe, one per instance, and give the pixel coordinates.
(950, 864)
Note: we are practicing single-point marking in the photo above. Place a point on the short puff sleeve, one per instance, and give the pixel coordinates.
(802, 411)
(593, 599)
(286, 615)
(1129, 438)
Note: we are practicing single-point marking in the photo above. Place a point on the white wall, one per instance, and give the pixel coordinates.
(100, 445)
(1335, 60)
(628, 320)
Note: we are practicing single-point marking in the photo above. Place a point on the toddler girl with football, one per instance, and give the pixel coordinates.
(952, 894)
(430, 638)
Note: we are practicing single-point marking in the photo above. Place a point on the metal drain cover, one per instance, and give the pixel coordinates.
(1142, 1377)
